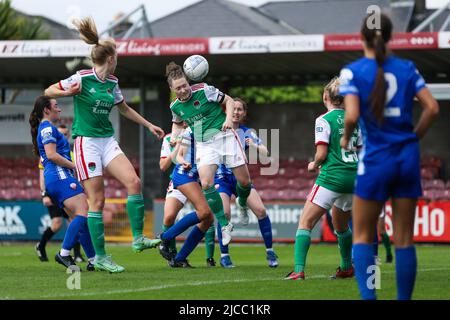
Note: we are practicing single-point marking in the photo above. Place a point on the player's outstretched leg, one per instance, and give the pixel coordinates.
(194, 237)
(225, 259)
(136, 213)
(209, 246)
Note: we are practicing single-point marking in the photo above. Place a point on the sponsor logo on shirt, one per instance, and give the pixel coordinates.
(93, 90)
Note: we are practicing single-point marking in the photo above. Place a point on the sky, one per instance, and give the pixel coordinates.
(104, 10)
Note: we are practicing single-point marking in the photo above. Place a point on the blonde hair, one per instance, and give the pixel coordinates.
(332, 88)
(173, 72)
(88, 33)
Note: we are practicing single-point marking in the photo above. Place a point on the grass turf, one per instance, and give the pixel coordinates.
(147, 276)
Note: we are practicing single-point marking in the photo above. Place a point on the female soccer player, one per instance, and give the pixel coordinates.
(227, 187)
(333, 188)
(61, 186)
(175, 199)
(379, 91)
(56, 214)
(96, 92)
(200, 107)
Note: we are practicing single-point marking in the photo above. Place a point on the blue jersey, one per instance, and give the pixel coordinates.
(48, 133)
(403, 83)
(243, 133)
(179, 175)
(389, 164)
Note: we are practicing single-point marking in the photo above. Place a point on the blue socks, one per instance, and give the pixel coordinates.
(363, 259)
(405, 267)
(194, 237)
(266, 231)
(187, 221)
(223, 249)
(78, 223)
(86, 242)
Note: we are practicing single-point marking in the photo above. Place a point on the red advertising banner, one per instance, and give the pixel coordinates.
(432, 223)
(400, 41)
(162, 47)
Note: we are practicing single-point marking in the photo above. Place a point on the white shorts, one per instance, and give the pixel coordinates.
(223, 148)
(93, 154)
(326, 198)
(175, 193)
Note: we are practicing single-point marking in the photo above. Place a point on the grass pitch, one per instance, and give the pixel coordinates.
(147, 276)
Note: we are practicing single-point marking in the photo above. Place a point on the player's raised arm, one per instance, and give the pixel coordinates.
(65, 88)
(229, 103)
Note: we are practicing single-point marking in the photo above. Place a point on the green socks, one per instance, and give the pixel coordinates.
(387, 243)
(209, 242)
(135, 209)
(97, 232)
(173, 242)
(215, 203)
(345, 249)
(302, 244)
(243, 193)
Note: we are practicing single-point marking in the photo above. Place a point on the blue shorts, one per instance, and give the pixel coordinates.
(61, 190)
(227, 184)
(180, 176)
(396, 175)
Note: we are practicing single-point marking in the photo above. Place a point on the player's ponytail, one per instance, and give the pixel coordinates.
(174, 72)
(88, 33)
(41, 103)
(377, 39)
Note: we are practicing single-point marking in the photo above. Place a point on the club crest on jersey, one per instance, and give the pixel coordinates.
(73, 186)
(91, 166)
(109, 91)
(197, 104)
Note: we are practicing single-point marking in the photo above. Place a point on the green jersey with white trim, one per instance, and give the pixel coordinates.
(338, 171)
(202, 111)
(93, 104)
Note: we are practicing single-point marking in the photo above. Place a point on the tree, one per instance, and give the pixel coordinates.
(16, 27)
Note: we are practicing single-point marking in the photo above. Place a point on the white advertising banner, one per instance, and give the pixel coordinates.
(444, 40)
(263, 44)
(15, 129)
(44, 48)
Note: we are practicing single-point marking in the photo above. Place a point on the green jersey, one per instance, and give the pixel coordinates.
(94, 104)
(202, 111)
(338, 172)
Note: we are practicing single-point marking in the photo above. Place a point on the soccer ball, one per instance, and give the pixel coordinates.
(196, 67)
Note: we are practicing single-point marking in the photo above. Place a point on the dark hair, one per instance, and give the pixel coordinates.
(41, 103)
(62, 126)
(376, 39)
(173, 72)
(244, 105)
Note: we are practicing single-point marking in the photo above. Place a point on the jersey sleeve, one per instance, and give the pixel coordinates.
(165, 148)
(323, 131)
(118, 97)
(67, 83)
(347, 83)
(176, 118)
(47, 135)
(213, 94)
(416, 79)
